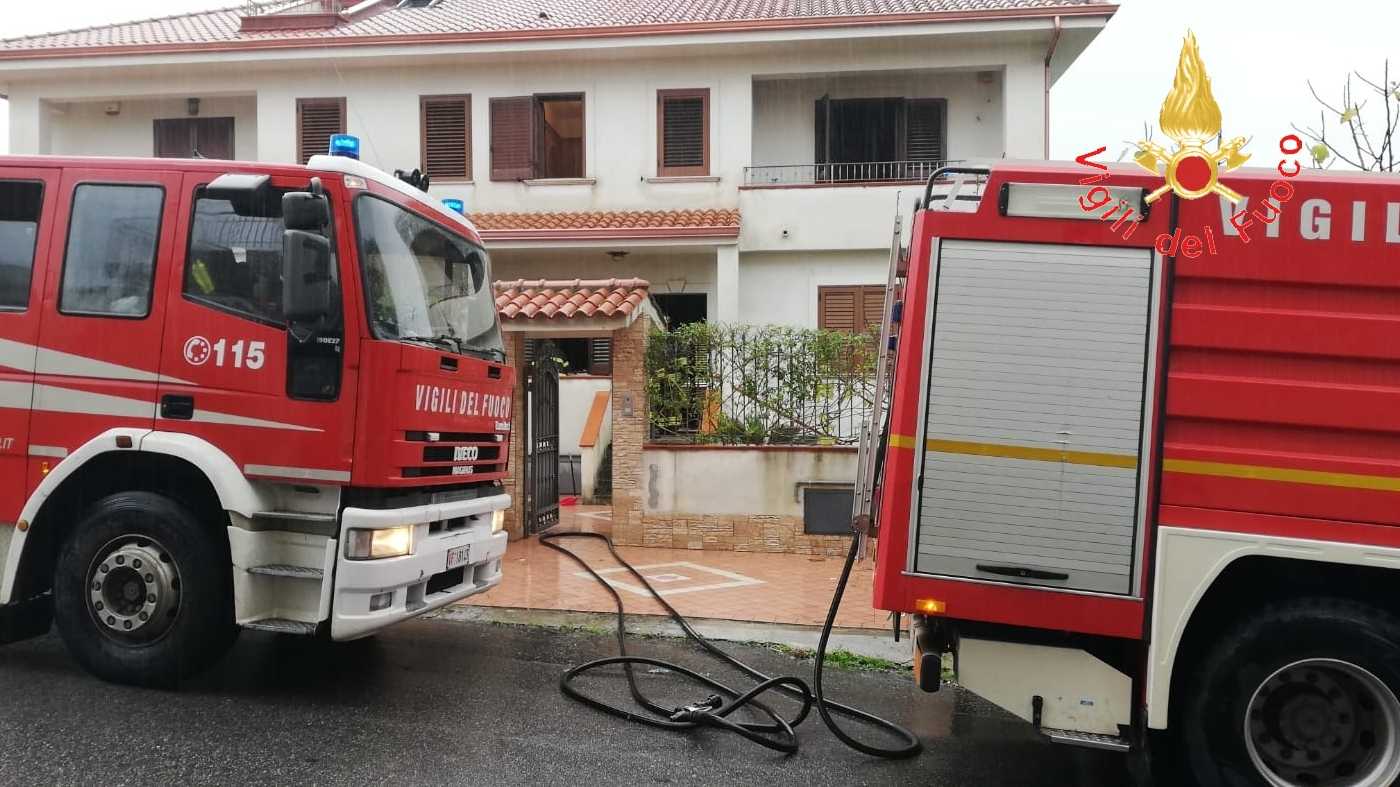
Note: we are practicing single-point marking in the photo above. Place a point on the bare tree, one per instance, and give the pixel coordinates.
(1367, 136)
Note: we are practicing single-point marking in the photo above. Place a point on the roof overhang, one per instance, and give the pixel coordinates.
(321, 44)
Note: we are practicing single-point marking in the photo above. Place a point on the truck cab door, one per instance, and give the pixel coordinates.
(103, 309)
(238, 375)
(27, 200)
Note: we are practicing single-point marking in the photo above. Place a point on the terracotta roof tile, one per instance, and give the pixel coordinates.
(608, 220)
(562, 299)
(467, 17)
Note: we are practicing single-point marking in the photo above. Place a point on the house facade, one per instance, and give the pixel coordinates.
(721, 160)
(744, 158)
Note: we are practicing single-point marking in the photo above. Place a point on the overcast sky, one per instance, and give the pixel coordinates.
(1259, 54)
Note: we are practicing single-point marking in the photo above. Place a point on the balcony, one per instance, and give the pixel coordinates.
(860, 173)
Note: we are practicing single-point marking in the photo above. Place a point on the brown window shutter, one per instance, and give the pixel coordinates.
(600, 356)
(836, 308)
(317, 120)
(872, 301)
(513, 138)
(683, 132)
(925, 136)
(446, 123)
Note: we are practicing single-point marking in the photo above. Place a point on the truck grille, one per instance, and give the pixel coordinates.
(447, 470)
(449, 453)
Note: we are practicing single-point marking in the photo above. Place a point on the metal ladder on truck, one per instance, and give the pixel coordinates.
(873, 432)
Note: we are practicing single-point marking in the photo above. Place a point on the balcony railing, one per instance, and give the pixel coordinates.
(841, 173)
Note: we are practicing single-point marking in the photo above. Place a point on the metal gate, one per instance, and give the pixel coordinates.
(542, 438)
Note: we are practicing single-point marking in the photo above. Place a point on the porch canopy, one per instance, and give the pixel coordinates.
(565, 307)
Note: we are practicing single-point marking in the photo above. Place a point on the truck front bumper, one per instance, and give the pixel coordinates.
(372, 594)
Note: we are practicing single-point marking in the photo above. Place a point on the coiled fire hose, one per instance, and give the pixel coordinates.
(715, 710)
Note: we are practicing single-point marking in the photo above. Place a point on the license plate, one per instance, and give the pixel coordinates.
(459, 556)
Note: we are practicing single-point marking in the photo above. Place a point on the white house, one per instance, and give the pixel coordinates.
(744, 157)
(740, 156)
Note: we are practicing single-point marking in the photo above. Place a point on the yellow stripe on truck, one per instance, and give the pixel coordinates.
(1288, 474)
(1019, 452)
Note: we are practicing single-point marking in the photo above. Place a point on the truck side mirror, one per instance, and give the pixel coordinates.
(308, 283)
(307, 211)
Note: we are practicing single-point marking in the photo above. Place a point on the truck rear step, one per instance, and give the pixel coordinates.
(284, 570)
(281, 626)
(1088, 740)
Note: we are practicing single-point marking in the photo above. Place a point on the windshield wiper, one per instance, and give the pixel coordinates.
(455, 344)
(441, 340)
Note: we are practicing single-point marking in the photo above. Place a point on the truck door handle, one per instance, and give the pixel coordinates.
(177, 407)
(1021, 572)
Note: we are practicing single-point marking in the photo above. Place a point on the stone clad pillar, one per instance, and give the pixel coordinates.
(629, 430)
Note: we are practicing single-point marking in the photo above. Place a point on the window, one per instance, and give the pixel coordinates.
(680, 308)
(21, 202)
(318, 119)
(683, 132)
(424, 283)
(862, 131)
(857, 308)
(235, 257)
(537, 137)
(194, 138)
(447, 137)
(109, 267)
(579, 356)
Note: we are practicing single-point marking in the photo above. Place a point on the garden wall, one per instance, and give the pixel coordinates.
(741, 498)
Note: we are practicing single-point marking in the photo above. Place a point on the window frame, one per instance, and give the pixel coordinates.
(363, 270)
(858, 307)
(155, 250)
(664, 171)
(221, 307)
(33, 252)
(536, 142)
(338, 101)
(423, 101)
(537, 156)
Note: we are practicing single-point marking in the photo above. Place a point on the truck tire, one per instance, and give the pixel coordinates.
(143, 591)
(1304, 693)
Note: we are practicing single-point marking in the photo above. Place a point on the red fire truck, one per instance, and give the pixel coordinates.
(238, 394)
(1147, 489)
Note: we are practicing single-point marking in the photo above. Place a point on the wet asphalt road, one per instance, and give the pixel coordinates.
(435, 701)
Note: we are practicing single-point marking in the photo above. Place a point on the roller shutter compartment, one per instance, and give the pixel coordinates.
(1033, 420)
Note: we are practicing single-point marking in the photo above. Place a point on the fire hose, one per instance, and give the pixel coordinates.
(716, 711)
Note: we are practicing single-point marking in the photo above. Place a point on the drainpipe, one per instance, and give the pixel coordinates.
(1049, 53)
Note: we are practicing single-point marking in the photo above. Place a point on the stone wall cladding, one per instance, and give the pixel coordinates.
(515, 478)
(629, 431)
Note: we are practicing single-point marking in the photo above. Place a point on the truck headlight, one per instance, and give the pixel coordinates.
(498, 521)
(373, 544)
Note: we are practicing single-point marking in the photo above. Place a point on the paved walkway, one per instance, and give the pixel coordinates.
(749, 586)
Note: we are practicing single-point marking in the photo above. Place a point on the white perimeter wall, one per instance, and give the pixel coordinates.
(738, 480)
(575, 400)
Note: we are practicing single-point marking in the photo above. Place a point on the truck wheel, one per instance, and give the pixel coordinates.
(143, 592)
(1303, 694)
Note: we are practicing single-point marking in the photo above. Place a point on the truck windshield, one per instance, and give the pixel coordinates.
(424, 283)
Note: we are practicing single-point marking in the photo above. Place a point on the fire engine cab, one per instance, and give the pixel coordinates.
(1147, 491)
(237, 394)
